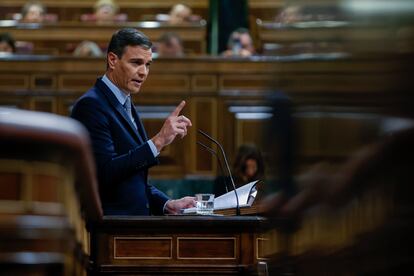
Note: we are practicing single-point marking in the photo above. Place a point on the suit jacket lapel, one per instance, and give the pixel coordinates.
(118, 107)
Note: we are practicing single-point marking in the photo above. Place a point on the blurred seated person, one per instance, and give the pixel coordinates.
(88, 49)
(290, 14)
(179, 14)
(7, 44)
(33, 12)
(105, 11)
(314, 12)
(240, 44)
(248, 167)
(170, 45)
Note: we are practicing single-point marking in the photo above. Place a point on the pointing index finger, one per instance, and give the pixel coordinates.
(178, 109)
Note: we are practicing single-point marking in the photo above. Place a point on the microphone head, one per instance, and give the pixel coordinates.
(203, 133)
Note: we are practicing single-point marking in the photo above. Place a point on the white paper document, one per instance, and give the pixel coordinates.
(246, 193)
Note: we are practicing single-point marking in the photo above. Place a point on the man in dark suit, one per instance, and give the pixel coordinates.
(123, 153)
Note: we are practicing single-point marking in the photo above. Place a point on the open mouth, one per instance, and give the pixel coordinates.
(137, 82)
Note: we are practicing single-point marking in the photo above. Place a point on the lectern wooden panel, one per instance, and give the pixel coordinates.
(178, 245)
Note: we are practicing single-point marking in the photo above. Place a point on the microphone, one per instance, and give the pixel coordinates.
(227, 166)
(210, 150)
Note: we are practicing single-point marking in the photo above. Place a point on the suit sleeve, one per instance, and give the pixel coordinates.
(112, 167)
(157, 201)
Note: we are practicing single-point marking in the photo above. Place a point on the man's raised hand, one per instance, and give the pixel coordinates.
(174, 125)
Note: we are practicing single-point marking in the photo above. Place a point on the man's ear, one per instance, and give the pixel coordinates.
(112, 59)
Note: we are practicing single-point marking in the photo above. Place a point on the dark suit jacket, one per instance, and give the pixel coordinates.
(122, 155)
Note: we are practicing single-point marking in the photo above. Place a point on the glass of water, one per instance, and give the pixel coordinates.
(205, 204)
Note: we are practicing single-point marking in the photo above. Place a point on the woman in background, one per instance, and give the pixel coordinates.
(248, 167)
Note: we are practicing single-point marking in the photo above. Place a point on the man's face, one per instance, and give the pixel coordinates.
(246, 42)
(131, 70)
(105, 13)
(34, 15)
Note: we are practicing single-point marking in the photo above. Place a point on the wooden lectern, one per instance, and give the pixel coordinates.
(178, 245)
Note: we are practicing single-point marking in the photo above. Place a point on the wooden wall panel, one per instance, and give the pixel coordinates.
(204, 117)
(343, 134)
(204, 83)
(246, 122)
(10, 185)
(65, 103)
(309, 125)
(335, 135)
(250, 132)
(11, 100)
(171, 83)
(45, 104)
(246, 82)
(217, 90)
(76, 82)
(43, 82)
(11, 82)
(338, 83)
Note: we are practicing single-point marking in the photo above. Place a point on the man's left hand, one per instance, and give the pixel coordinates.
(174, 206)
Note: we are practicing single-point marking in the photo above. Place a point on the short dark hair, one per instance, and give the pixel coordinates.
(127, 37)
(6, 37)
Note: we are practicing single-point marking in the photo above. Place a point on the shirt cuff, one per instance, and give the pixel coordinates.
(165, 205)
(153, 148)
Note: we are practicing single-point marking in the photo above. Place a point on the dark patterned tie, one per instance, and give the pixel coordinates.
(128, 108)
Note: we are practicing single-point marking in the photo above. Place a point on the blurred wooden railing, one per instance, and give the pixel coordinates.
(48, 194)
